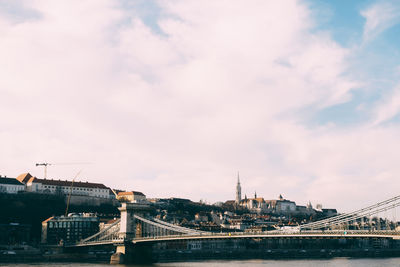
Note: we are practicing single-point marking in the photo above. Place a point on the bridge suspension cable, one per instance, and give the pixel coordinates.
(187, 230)
(109, 233)
(347, 217)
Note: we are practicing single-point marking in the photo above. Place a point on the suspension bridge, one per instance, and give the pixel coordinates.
(136, 228)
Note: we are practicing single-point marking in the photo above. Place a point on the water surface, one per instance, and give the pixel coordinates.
(346, 262)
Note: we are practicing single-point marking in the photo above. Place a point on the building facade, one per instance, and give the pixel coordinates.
(256, 204)
(10, 185)
(69, 229)
(64, 187)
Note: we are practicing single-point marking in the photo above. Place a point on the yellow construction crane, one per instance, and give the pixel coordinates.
(73, 180)
(70, 192)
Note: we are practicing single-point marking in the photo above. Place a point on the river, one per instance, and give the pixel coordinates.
(346, 262)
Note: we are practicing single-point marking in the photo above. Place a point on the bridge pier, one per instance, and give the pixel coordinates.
(119, 256)
(130, 253)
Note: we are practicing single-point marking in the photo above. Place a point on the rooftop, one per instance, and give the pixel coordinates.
(67, 183)
(11, 181)
(24, 178)
(130, 193)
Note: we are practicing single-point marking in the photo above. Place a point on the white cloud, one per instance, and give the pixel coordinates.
(388, 107)
(379, 17)
(178, 114)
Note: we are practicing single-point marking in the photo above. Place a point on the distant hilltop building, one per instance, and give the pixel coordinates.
(64, 187)
(280, 206)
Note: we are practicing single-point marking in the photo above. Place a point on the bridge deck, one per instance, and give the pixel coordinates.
(329, 234)
(298, 235)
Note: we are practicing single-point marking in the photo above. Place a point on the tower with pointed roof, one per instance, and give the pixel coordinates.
(238, 191)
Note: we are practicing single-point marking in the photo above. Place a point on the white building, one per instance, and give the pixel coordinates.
(10, 185)
(64, 187)
(282, 206)
(256, 204)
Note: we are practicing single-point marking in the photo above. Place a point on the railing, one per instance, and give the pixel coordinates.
(277, 234)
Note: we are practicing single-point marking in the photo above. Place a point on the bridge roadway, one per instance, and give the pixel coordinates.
(331, 234)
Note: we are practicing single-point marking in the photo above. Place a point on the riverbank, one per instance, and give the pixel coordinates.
(24, 257)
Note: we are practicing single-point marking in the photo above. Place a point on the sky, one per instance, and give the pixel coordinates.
(174, 98)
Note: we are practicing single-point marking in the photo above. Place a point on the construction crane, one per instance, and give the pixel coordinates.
(45, 168)
(45, 164)
(70, 192)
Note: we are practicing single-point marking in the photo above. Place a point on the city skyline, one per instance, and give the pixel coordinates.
(171, 98)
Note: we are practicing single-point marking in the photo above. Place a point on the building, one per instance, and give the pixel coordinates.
(278, 206)
(64, 187)
(24, 178)
(238, 191)
(256, 204)
(10, 185)
(281, 206)
(69, 229)
(132, 196)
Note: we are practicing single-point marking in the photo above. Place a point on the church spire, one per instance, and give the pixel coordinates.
(238, 191)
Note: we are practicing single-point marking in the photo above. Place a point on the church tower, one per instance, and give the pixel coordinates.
(238, 191)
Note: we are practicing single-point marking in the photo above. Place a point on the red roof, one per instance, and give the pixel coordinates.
(24, 178)
(45, 221)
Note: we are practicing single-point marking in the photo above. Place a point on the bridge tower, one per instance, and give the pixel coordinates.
(125, 252)
(128, 226)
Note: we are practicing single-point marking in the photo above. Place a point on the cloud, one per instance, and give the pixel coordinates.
(388, 107)
(379, 17)
(178, 113)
